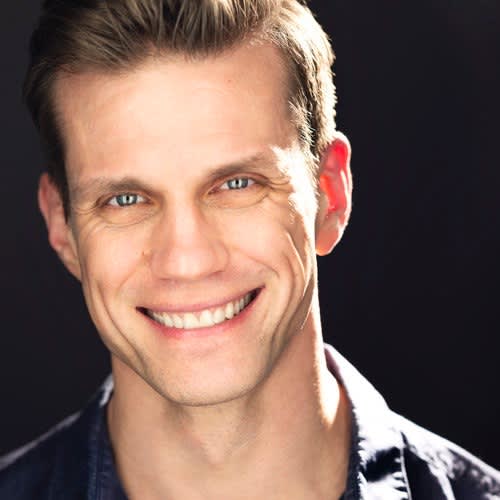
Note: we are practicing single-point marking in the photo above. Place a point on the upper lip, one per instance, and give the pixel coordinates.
(198, 306)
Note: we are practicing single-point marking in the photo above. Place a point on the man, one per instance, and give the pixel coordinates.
(194, 170)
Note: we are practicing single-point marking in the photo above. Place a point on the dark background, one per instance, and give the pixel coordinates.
(411, 294)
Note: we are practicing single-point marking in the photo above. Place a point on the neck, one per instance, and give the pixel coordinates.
(290, 436)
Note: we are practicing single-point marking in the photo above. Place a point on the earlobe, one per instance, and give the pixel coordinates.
(59, 232)
(335, 190)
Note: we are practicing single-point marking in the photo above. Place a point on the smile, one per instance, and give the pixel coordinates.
(204, 318)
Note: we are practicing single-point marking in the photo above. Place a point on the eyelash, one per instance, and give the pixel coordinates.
(137, 198)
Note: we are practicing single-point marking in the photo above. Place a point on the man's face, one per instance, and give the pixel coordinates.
(190, 197)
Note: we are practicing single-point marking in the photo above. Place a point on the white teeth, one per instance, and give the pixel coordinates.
(204, 318)
(178, 323)
(219, 315)
(229, 310)
(191, 321)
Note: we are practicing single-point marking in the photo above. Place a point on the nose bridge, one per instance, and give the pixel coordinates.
(186, 244)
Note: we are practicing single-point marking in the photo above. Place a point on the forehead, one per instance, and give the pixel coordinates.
(185, 110)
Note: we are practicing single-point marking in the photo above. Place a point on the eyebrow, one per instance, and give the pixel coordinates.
(96, 187)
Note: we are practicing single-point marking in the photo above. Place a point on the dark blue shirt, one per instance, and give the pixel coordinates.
(391, 458)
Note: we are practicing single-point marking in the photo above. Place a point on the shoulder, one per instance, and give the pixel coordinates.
(60, 463)
(435, 464)
(29, 471)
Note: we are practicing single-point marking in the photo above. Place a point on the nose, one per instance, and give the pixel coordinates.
(187, 245)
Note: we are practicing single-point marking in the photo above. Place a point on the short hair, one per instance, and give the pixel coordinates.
(75, 36)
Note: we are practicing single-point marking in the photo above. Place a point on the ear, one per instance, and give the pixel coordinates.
(60, 233)
(335, 191)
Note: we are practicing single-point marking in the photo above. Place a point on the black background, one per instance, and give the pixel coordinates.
(411, 294)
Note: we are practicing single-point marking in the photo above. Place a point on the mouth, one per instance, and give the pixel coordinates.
(203, 318)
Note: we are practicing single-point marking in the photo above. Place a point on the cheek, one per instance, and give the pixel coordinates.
(109, 257)
(273, 234)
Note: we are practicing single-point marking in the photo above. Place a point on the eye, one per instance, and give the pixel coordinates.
(126, 200)
(237, 183)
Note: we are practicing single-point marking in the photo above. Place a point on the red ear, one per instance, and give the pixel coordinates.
(335, 195)
(335, 174)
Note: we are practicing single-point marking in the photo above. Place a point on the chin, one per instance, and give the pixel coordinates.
(200, 387)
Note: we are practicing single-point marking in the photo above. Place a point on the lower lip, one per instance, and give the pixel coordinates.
(219, 329)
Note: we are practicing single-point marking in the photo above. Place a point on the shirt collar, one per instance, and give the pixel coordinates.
(376, 464)
(107, 482)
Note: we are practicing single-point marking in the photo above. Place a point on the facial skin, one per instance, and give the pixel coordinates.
(219, 205)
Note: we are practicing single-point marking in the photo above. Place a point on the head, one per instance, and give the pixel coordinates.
(193, 169)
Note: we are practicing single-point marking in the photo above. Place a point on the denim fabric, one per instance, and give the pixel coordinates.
(391, 458)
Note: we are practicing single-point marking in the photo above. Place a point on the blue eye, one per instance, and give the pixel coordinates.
(125, 200)
(238, 183)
